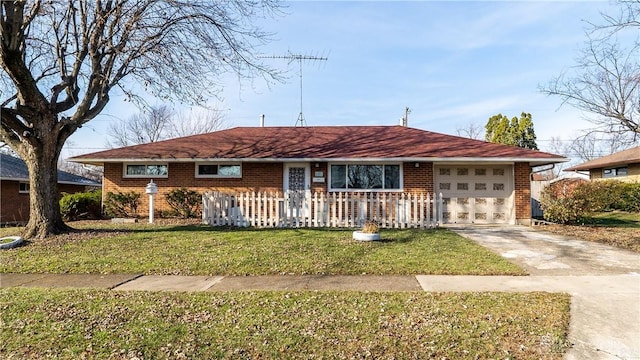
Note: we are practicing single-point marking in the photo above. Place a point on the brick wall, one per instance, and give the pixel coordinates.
(255, 177)
(319, 186)
(522, 187)
(14, 206)
(269, 177)
(418, 179)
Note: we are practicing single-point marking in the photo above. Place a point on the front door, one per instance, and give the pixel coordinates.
(297, 189)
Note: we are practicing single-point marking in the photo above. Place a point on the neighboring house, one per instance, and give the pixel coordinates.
(481, 182)
(623, 165)
(14, 188)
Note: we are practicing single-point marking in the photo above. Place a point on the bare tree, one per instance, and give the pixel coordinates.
(557, 146)
(148, 126)
(592, 145)
(606, 79)
(89, 171)
(471, 130)
(196, 122)
(62, 59)
(627, 18)
(160, 123)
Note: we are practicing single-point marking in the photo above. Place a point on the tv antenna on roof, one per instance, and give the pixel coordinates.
(300, 58)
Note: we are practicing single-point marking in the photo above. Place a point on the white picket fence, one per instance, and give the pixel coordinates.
(338, 209)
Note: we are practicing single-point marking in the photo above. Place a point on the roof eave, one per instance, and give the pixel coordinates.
(600, 166)
(13, 179)
(531, 161)
(59, 182)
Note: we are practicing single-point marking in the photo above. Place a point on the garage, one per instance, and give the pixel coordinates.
(476, 194)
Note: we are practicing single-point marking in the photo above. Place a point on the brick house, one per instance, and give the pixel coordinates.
(623, 165)
(481, 182)
(14, 188)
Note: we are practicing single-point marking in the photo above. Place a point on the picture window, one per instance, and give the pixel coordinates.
(213, 170)
(365, 177)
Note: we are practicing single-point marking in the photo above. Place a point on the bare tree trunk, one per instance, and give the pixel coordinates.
(44, 214)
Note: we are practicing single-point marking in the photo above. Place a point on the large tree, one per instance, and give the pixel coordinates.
(517, 131)
(605, 82)
(62, 59)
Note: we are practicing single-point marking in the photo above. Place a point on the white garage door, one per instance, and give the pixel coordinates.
(476, 194)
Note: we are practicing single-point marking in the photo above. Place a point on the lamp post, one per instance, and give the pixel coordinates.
(151, 189)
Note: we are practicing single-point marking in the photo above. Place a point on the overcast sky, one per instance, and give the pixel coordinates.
(451, 63)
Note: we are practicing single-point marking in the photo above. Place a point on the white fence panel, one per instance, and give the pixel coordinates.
(303, 209)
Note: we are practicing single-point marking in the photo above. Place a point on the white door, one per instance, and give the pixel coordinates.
(476, 194)
(297, 189)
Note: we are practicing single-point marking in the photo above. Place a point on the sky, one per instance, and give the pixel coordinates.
(452, 63)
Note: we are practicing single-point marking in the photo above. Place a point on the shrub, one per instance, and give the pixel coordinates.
(78, 206)
(185, 202)
(629, 199)
(370, 227)
(559, 205)
(122, 204)
(564, 204)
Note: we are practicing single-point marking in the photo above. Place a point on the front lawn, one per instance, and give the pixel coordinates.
(75, 324)
(202, 250)
(615, 228)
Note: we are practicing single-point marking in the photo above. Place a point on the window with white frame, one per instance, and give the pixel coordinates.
(365, 177)
(24, 187)
(613, 172)
(146, 170)
(218, 170)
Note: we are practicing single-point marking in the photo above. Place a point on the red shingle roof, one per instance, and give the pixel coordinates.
(321, 143)
(629, 156)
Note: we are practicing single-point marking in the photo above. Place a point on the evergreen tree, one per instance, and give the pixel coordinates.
(517, 131)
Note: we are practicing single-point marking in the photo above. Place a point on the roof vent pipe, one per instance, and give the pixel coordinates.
(262, 120)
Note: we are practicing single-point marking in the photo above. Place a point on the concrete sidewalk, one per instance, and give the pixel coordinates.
(137, 282)
(605, 309)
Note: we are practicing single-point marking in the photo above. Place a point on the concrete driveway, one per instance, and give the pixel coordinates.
(604, 283)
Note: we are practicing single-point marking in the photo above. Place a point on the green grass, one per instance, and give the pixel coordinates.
(202, 250)
(614, 219)
(73, 324)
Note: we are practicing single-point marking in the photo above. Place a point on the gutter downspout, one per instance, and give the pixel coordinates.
(541, 170)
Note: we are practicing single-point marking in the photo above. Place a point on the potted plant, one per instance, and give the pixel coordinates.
(10, 242)
(370, 231)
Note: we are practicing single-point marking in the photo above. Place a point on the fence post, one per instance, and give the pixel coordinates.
(440, 210)
(205, 208)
